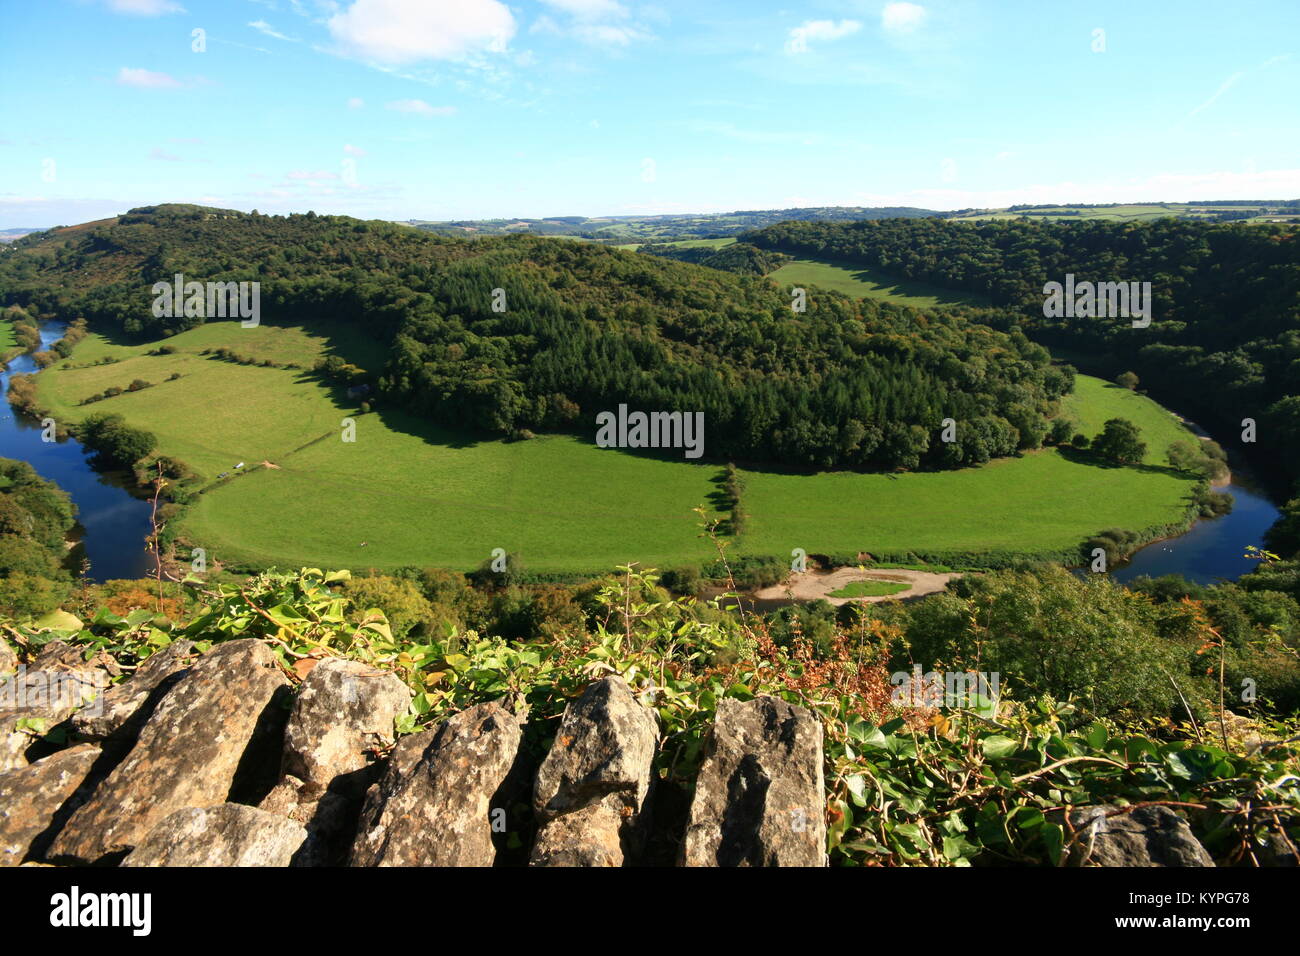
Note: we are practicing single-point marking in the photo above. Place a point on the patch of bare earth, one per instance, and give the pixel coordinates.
(816, 585)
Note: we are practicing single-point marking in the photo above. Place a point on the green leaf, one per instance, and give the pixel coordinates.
(1053, 836)
(996, 746)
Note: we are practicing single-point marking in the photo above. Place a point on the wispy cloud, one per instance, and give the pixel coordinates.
(602, 23)
(420, 108)
(147, 79)
(261, 26)
(1226, 85)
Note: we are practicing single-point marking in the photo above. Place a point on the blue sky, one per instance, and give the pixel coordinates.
(441, 109)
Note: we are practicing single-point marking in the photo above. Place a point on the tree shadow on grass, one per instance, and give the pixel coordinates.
(1081, 456)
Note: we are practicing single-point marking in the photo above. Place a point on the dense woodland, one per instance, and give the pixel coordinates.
(584, 328)
(738, 257)
(1224, 341)
(35, 519)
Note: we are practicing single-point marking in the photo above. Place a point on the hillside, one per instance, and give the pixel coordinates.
(575, 330)
(1224, 337)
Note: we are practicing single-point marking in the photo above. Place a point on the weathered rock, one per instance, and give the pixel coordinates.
(343, 712)
(1278, 850)
(1147, 836)
(61, 656)
(8, 659)
(221, 725)
(229, 834)
(591, 789)
(432, 807)
(126, 706)
(34, 800)
(759, 794)
(40, 700)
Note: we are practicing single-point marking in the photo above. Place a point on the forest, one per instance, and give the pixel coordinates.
(577, 329)
(1222, 345)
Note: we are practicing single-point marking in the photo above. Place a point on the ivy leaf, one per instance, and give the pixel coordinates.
(996, 746)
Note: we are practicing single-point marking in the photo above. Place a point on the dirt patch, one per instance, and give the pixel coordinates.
(816, 585)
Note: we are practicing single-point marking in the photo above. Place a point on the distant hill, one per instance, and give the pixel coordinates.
(623, 229)
(9, 235)
(667, 228)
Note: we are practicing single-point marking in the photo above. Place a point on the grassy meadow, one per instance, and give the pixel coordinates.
(861, 282)
(410, 493)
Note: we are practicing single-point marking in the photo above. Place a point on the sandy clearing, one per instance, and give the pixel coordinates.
(812, 585)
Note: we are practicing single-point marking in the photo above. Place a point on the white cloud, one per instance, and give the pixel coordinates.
(355, 103)
(145, 8)
(146, 79)
(818, 30)
(311, 174)
(353, 150)
(398, 32)
(420, 107)
(604, 23)
(902, 17)
(159, 153)
(261, 26)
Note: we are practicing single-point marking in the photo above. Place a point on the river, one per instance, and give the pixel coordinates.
(114, 523)
(1214, 549)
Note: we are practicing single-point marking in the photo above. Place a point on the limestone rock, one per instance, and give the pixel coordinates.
(8, 659)
(219, 727)
(229, 834)
(61, 656)
(759, 795)
(36, 799)
(432, 807)
(343, 712)
(43, 699)
(126, 706)
(591, 789)
(1147, 836)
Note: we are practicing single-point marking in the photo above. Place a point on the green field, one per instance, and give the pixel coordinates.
(409, 493)
(1130, 212)
(686, 243)
(1094, 401)
(855, 589)
(860, 282)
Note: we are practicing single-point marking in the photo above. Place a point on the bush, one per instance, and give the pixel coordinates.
(1046, 631)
